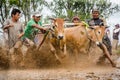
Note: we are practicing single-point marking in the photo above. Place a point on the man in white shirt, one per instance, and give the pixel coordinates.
(13, 27)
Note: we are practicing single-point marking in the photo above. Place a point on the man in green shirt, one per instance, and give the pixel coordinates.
(32, 27)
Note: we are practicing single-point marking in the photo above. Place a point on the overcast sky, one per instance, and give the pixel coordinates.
(114, 18)
(115, 1)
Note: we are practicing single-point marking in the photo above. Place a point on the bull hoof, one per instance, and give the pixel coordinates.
(63, 56)
(113, 65)
(58, 61)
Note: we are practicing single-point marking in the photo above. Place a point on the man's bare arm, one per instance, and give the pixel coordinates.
(7, 26)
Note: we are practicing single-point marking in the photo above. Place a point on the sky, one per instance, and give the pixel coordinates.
(115, 1)
(114, 18)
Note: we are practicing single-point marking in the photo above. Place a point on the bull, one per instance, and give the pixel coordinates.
(81, 37)
(56, 37)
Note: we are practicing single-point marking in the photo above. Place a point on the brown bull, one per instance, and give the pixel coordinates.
(81, 38)
(56, 37)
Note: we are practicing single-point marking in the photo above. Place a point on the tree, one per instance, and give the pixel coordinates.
(3, 11)
(26, 6)
(82, 8)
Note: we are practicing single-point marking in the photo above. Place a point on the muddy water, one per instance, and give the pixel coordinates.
(61, 74)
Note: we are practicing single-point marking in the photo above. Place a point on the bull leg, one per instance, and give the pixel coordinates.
(63, 48)
(76, 56)
(65, 52)
(103, 47)
(54, 52)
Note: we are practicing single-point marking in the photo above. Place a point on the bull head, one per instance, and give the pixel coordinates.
(58, 28)
(97, 33)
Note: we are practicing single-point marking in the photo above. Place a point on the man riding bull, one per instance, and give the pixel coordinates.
(97, 21)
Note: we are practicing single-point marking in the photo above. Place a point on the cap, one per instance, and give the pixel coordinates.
(75, 17)
(36, 14)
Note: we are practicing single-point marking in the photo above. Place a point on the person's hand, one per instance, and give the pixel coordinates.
(43, 30)
(11, 25)
(20, 35)
(7, 26)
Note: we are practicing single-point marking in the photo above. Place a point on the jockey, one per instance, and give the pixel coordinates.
(96, 20)
(32, 28)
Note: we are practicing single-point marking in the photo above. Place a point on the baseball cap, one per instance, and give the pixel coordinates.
(37, 14)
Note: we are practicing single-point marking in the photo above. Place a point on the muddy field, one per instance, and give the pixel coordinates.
(91, 73)
(42, 65)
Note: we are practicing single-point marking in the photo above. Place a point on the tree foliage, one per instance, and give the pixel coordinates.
(61, 8)
(82, 8)
(27, 7)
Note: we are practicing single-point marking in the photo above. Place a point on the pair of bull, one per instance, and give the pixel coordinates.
(80, 36)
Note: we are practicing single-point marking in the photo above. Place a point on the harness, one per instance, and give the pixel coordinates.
(43, 39)
(47, 32)
(96, 35)
(90, 43)
(87, 34)
(52, 33)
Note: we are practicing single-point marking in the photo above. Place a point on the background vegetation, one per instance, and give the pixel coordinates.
(60, 8)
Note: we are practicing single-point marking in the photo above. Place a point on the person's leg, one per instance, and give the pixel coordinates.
(30, 42)
(18, 44)
(115, 44)
(107, 43)
(17, 47)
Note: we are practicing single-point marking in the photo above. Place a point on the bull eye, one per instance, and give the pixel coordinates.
(98, 32)
(53, 27)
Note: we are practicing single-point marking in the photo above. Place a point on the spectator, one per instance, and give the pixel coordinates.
(116, 32)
